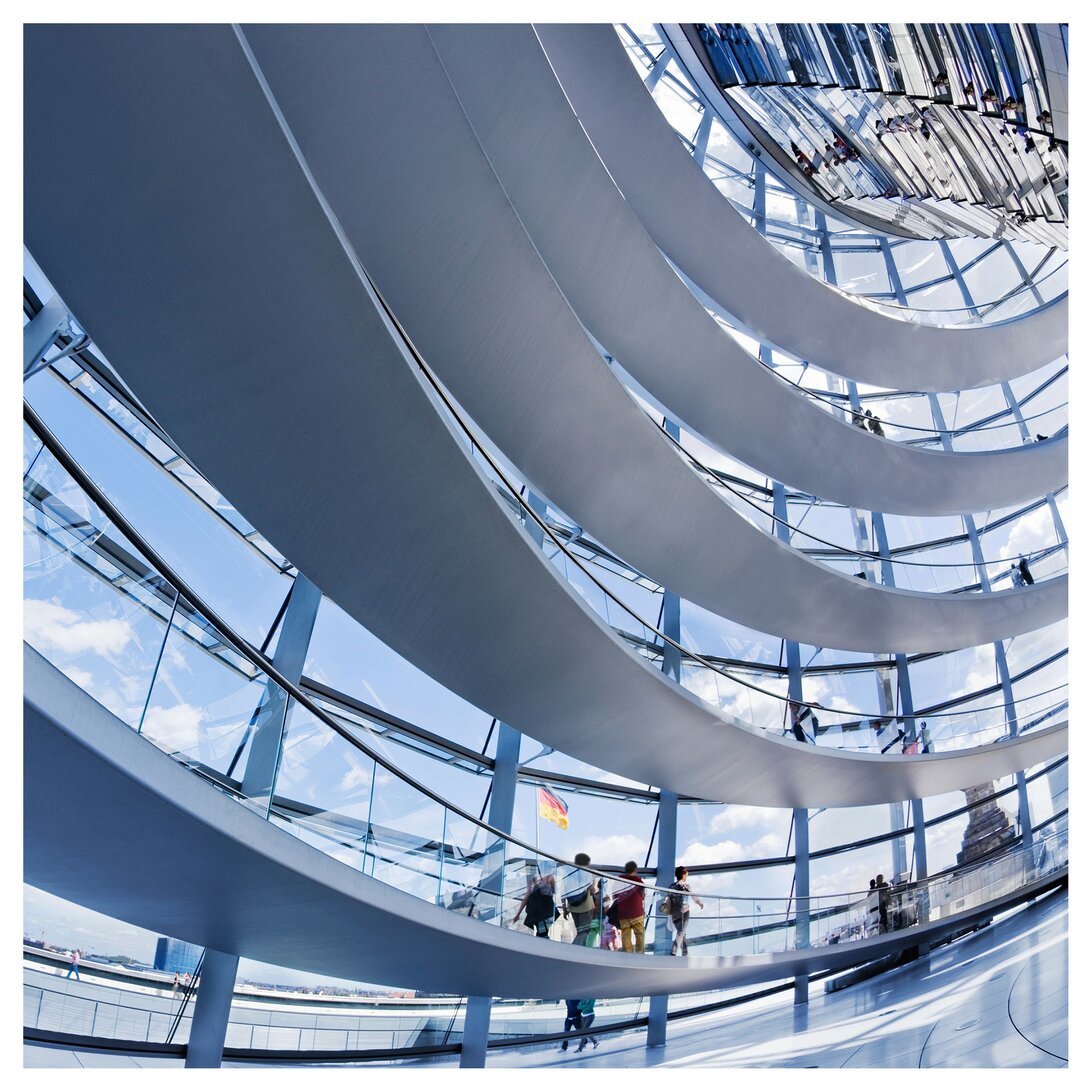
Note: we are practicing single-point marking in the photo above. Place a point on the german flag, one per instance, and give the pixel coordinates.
(550, 806)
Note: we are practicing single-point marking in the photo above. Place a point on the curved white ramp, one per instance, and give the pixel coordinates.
(626, 293)
(190, 244)
(748, 278)
(96, 792)
(449, 252)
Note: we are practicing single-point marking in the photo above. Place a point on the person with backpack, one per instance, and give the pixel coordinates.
(679, 912)
(538, 903)
(579, 898)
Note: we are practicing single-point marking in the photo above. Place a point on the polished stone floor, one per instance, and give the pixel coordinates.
(997, 998)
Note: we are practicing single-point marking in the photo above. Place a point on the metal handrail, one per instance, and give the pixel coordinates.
(266, 666)
(974, 426)
(541, 522)
(869, 556)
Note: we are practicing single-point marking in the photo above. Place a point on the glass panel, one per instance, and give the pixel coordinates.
(91, 607)
(210, 708)
(324, 790)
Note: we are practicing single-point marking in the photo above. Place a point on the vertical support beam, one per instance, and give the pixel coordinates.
(958, 277)
(672, 664)
(918, 816)
(667, 812)
(1023, 810)
(289, 656)
(501, 808)
(800, 820)
(504, 780)
(894, 275)
(903, 681)
(42, 330)
(828, 266)
(760, 176)
(1022, 427)
(657, 70)
(531, 527)
(897, 819)
(701, 137)
(475, 1039)
(672, 624)
(210, 1020)
(666, 827)
(800, 815)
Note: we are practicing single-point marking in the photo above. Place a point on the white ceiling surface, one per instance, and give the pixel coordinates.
(191, 246)
(448, 251)
(710, 242)
(112, 823)
(627, 295)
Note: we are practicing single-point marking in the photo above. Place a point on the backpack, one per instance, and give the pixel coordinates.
(538, 908)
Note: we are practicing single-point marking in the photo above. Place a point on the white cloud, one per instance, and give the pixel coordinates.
(175, 726)
(1032, 532)
(360, 773)
(616, 849)
(697, 853)
(83, 679)
(731, 818)
(48, 624)
(983, 671)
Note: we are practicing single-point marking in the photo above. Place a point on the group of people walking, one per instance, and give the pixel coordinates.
(602, 916)
(867, 421)
(604, 919)
(1020, 573)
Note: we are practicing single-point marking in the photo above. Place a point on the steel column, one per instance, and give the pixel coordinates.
(475, 1039)
(42, 330)
(210, 1020)
(504, 779)
(1023, 811)
(289, 657)
(666, 837)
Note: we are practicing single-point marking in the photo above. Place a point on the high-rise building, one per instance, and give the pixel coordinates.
(173, 955)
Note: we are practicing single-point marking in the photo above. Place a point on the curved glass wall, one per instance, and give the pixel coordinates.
(932, 554)
(114, 626)
(168, 668)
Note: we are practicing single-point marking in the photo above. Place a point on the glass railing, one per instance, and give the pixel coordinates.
(932, 570)
(713, 682)
(975, 435)
(915, 571)
(768, 710)
(1019, 301)
(155, 655)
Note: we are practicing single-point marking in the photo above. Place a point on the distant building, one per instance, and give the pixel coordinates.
(172, 954)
